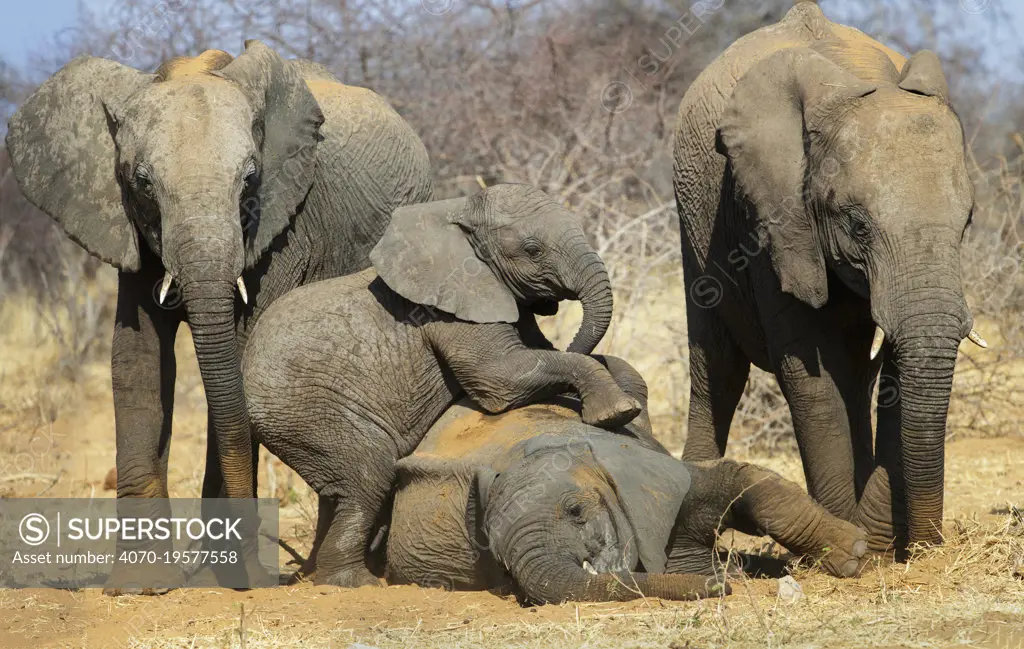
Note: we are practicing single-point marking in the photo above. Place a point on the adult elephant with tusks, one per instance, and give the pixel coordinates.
(214, 186)
(822, 192)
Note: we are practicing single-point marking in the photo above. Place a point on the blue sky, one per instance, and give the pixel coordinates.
(24, 23)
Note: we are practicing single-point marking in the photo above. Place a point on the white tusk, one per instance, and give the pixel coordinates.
(876, 342)
(241, 290)
(168, 278)
(977, 340)
(589, 568)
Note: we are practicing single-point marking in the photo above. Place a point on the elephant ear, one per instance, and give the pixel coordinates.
(62, 149)
(922, 75)
(288, 120)
(763, 133)
(483, 478)
(426, 257)
(650, 486)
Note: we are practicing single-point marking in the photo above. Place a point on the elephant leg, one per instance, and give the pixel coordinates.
(881, 509)
(352, 503)
(823, 434)
(499, 373)
(324, 517)
(854, 375)
(765, 502)
(627, 378)
(342, 557)
(718, 374)
(143, 372)
(213, 478)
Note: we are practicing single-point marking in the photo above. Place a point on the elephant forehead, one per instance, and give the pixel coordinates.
(902, 147)
(202, 119)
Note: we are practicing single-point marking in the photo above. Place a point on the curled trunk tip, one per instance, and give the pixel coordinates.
(595, 294)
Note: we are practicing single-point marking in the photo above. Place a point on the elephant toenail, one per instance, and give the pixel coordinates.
(850, 568)
(860, 548)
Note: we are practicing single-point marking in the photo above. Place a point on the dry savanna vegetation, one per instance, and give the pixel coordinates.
(519, 91)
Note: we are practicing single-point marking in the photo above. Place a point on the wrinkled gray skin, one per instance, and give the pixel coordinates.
(822, 189)
(210, 170)
(343, 377)
(537, 500)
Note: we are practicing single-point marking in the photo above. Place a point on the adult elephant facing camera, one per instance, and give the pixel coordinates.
(822, 194)
(226, 182)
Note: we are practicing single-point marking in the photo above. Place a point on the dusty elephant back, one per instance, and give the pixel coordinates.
(378, 164)
(465, 433)
(369, 162)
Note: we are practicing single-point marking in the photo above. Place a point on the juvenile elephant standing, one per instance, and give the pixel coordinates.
(822, 194)
(214, 186)
(343, 377)
(559, 510)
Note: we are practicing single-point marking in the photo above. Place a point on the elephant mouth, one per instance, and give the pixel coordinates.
(609, 560)
(545, 307)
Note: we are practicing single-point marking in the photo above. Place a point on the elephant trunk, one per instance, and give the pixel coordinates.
(925, 354)
(924, 325)
(555, 580)
(594, 292)
(206, 260)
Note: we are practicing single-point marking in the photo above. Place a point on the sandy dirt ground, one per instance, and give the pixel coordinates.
(965, 594)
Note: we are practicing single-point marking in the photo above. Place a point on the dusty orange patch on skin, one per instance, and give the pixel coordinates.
(184, 66)
(154, 489)
(586, 477)
(856, 38)
(323, 86)
(474, 431)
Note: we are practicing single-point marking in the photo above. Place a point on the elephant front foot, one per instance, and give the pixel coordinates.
(154, 580)
(610, 414)
(346, 577)
(306, 572)
(844, 549)
(875, 515)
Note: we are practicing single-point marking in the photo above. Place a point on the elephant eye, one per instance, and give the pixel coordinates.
(249, 175)
(142, 179)
(575, 510)
(533, 249)
(141, 175)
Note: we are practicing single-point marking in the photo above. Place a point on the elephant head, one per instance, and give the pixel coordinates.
(479, 258)
(573, 519)
(865, 180)
(196, 167)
